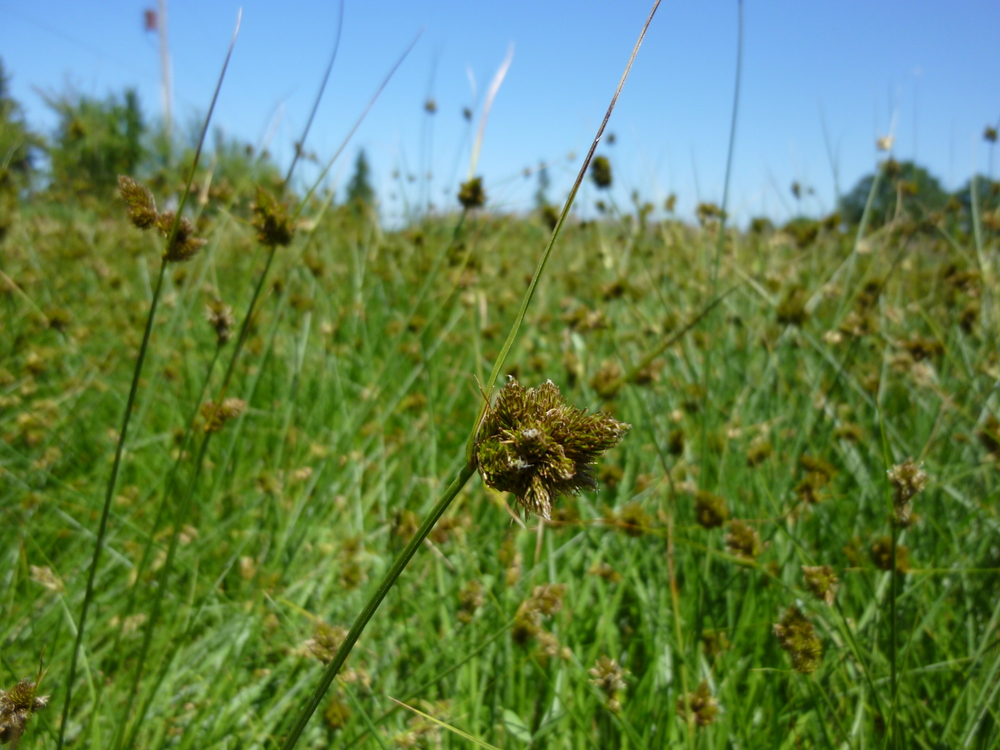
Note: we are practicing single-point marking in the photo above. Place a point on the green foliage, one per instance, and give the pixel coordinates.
(906, 188)
(19, 146)
(359, 189)
(766, 490)
(95, 141)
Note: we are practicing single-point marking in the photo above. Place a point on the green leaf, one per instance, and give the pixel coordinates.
(515, 727)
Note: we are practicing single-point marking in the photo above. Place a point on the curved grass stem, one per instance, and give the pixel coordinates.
(373, 604)
(106, 510)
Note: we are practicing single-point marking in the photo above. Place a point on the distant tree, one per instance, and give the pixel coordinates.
(95, 141)
(905, 187)
(987, 194)
(359, 190)
(228, 173)
(542, 194)
(19, 146)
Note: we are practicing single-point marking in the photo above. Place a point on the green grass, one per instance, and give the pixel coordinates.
(771, 378)
(359, 406)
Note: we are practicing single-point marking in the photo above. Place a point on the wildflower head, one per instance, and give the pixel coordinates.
(535, 445)
(710, 510)
(881, 552)
(139, 203)
(220, 317)
(470, 599)
(700, 704)
(798, 637)
(217, 416)
(325, 641)
(16, 707)
(271, 220)
(609, 677)
(743, 540)
(184, 244)
(907, 479)
(337, 713)
(821, 581)
(600, 172)
(471, 194)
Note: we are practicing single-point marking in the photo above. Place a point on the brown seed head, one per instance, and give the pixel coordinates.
(471, 194)
(16, 707)
(326, 640)
(139, 203)
(271, 220)
(185, 244)
(600, 172)
(822, 582)
(216, 418)
(535, 445)
(798, 637)
(710, 510)
(700, 704)
(743, 540)
(220, 317)
(609, 678)
(907, 479)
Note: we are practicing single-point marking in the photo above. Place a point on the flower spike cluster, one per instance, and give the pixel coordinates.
(535, 445)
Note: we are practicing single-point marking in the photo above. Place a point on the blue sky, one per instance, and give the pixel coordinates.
(930, 70)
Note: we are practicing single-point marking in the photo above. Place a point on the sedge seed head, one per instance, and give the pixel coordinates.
(139, 203)
(535, 445)
(822, 582)
(216, 417)
(710, 510)
(600, 172)
(609, 677)
(743, 541)
(184, 244)
(271, 220)
(220, 317)
(798, 637)
(907, 479)
(16, 707)
(471, 194)
(700, 704)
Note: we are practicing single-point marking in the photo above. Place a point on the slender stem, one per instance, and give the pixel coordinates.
(894, 737)
(180, 517)
(720, 242)
(319, 95)
(373, 604)
(106, 510)
(512, 336)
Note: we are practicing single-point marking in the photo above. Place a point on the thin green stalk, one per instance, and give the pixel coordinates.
(180, 517)
(106, 510)
(722, 231)
(470, 465)
(300, 146)
(543, 261)
(373, 604)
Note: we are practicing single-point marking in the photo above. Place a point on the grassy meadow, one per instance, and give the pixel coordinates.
(796, 545)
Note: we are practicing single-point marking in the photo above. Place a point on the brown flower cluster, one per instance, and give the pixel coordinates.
(141, 210)
(16, 707)
(535, 445)
(798, 637)
(700, 704)
(609, 677)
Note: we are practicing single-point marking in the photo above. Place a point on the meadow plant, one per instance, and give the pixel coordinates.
(252, 506)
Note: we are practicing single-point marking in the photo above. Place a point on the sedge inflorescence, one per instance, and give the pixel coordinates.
(538, 447)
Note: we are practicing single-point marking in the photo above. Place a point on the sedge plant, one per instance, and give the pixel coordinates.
(534, 420)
